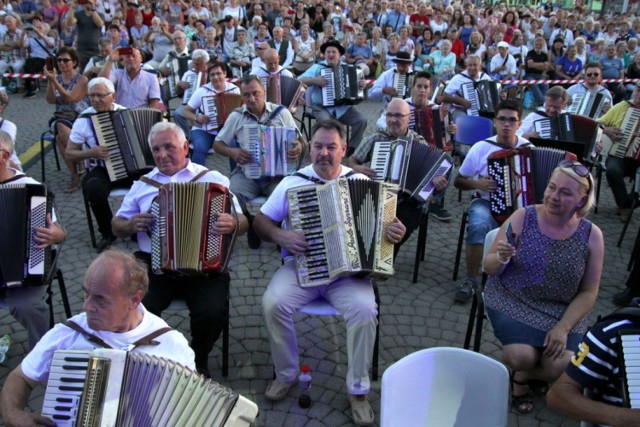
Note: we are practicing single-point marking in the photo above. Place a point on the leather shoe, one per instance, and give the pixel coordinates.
(105, 243)
(204, 372)
(253, 239)
(624, 297)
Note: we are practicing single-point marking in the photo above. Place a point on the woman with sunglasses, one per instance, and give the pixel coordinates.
(68, 91)
(544, 272)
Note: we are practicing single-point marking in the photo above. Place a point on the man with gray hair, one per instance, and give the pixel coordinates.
(114, 286)
(82, 146)
(96, 62)
(205, 295)
(199, 63)
(180, 50)
(453, 92)
(283, 46)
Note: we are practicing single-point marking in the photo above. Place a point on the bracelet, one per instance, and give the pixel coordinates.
(501, 261)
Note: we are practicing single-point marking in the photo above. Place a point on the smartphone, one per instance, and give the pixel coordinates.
(511, 236)
(125, 51)
(49, 63)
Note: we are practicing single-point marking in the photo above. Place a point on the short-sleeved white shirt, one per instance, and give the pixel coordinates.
(454, 87)
(195, 102)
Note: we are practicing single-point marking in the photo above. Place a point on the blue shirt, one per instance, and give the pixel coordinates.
(355, 50)
(396, 20)
(570, 68)
(611, 67)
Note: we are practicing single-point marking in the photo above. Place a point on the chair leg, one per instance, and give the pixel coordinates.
(55, 151)
(634, 204)
(87, 210)
(479, 321)
(420, 244)
(63, 293)
(636, 247)
(225, 342)
(376, 345)
(456, 265)
(472, 319)
(44, 178)
(599, 179)
(423, 248)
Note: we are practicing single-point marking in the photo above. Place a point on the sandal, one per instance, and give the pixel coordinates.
(538, 387)
(522, 404)
(73, 186)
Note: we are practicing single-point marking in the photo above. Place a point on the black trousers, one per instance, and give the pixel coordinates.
(206, 297)
(33, 66)
(409, 213)
(96, 187)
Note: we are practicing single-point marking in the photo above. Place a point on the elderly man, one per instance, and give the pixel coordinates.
(205, 295)
(283, 46)
(383, 86)
(180, 50)
(11, 47)
(613, 68)
(241, 55)
(272, 66)
(555, 101)
(10, 128)
(619, 167)
(346, 114)
(360, 54)
(136, 87)
(409, 211)
(95, 64)
(563, 32)
(592, 79)
(473, 175)
(203, 135)
(27, 303)
(199, 64)
(352, 297)
(258, 62)
(503, 64)
(453, 92)
(537, 64)
(89, 23)
(114, 286)
(229, 143)
(82, 146)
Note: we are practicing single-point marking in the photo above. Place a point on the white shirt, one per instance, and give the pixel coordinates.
(195, 101)
(454, 87)
(498, 61)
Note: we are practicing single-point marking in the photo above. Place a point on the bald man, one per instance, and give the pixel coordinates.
(271, 67)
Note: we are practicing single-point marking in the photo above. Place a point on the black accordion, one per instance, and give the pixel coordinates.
(22, 208)
(521, 175)
(430, 122)
(343, 85)
(125, 133)
(402, 83)
(589, 104)
(116, 388)
(218, 107)
(177, 68)
(484, 96)
(182, 238)
(195, 80)
(344, 221)
(412, 165)
(559, 127)
(571, 132)
(269, 147)
(283, 90)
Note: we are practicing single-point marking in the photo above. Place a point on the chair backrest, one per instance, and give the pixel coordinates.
(488, 242)
(444, 387)
(472, 129)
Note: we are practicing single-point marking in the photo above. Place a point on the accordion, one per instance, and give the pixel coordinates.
(344, 221)
(559, 127)
(182, 239)
(431, 122)
(521, 175)
(109, 388)
(268, 146)
(343, 85)
(283, 90)
(195, 80)
(484, 96)
(570, 132)
(411, 165)
(125, 134)
(629, 357)
(177, 67)
(402, 83)
(22, 208)
(589, 104)
(218, 107)
(628, 145)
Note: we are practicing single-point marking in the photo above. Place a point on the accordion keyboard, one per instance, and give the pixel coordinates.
(630, 346)
(210, 110)
(629, 126)
(471, 94)
(380, 158)
(191, 79)
(38, 219)
(107, 136)
(64, 389)
(328, 91)
(252, 169)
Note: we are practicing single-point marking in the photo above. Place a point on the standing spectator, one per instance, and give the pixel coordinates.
(613, 68)
(89, 23)
(305, 51)
(396, 18)
(40, 48)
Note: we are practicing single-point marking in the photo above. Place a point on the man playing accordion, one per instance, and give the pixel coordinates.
(387, 86)
(114, 286)
(352, 297)
(206, 294)
(453, 92)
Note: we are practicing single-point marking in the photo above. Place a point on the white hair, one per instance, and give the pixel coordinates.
(102, 81)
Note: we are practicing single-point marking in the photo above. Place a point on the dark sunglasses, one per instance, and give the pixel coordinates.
(579, 169)
(65, 60)
(593, 74)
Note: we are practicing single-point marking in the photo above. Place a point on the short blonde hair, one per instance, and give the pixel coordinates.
(587, 186)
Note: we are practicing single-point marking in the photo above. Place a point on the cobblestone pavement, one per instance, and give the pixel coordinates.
(412, 316)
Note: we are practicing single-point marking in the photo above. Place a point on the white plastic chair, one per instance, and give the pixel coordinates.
(445, 387)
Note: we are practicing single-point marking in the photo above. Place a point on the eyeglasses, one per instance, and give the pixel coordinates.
(581, 170)
(396, 115)
(507, 120)
(593, 74)
(65, 60)
(99, 95)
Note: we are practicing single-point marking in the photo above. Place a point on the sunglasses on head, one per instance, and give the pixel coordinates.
(581, 170)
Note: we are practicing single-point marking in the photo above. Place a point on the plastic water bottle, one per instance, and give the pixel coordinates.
(304, 382)
(5, 342)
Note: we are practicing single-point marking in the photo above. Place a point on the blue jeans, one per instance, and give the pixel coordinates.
(537, 90)
(202, 141)
(480, 221)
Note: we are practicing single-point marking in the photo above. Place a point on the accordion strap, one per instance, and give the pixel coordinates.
(154, 183)
(319, 181)
(13, 178)
(146, 340)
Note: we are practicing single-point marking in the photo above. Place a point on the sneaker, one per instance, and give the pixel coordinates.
(29, 95)
(624, 214)
(439, 213)
(465, 291)
(361, 410)
(277, 390)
